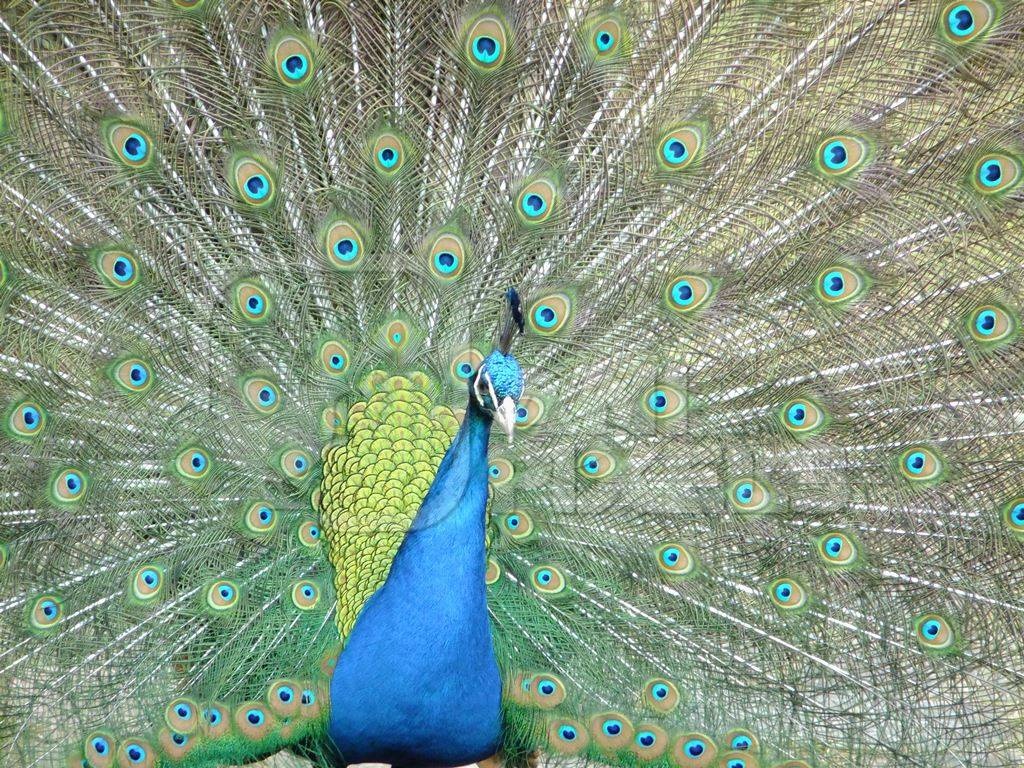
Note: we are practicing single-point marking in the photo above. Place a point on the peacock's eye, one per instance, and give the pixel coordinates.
(486, 42)
(787, 594)
(678, 148)
(686, 293)
(839, 155)
(389, 153)
(293, 61)
(921, 464)
(965, 21)
(694, 747)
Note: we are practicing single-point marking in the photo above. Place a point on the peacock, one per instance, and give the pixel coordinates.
(526, 382)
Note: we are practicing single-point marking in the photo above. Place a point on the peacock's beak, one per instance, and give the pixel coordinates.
(506, 417)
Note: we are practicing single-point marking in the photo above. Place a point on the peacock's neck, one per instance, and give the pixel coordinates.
(417, 682)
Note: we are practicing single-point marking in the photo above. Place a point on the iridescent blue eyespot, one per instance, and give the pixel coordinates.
(295, 66)
(915, 462)
(604, 40)
(346, 249)
(387, 157)
(657, 401)
(675, 152)
(544, 576)
(670, 557)
(744, 492)
(285, 693)
(960, 20)
(446, 262)
(135, 147)
(833, 283)
(736, 762)
(694, 747)
(545, 316)
(255, 304)
(308, 697)
(741, 742)
(212, 715)
(783, 591)
(660, 690)
(534, 205)
(985, 322)
(646, 738)
(180, 739)
(184, 711)
(486, 49)
(255, 717)
(513, 521)
(100, 745)
(567, 733)
(611, 727)
(796, 415)
(835, 156)
(257, 186)
(136, 753)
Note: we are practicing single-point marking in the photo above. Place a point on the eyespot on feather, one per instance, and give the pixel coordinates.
(255, 182)
(100, 749)
(992, 325)
(295, 463)
(344, 245)
(675, 560)
(605, 38)
(132, 375)
(679, 147)
(611, 731)
(921, 464)
(27, 419)
(253, 721)
(549, 314)
(447, 257)
(397, 334)
(596, 464)
(493, 572)
(119, 269)
(661, 695)
(486, 42)
(787, 594)
(996, 173)
(749, 495)
(136, 753)
(175, 747)
(500, 471)
(1013, 516)
(305, 595)
(309, 534)
(567, 737)
(686, 293)
(663, 401)
(193, 463)
(182, 716)
(741, 740)
(129, 145)
(222, 595)
(262, 395)
(694, 750)
(293, 61)
(260, 518)
(334, 357)
(839, 284)
(802, 416)
(252, 301)
(464, 365)
(548, 580)
(147, 583)
(738, 759)
(536, 202)
(46, 612)
(216, 722)
(547, 691)
(284, 698)
(934, 632)
(964, 21)
(837, 549)
(650, 742)
(517, 525)
(69, 486)
(841, 154)
(388, 154)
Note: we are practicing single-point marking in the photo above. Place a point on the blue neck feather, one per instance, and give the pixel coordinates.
(417, 683)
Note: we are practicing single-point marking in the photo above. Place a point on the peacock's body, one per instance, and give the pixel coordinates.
(764, 504)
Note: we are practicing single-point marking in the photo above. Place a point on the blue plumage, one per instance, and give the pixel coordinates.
(417, 683)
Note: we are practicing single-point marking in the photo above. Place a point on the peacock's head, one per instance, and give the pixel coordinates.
(498, 383)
